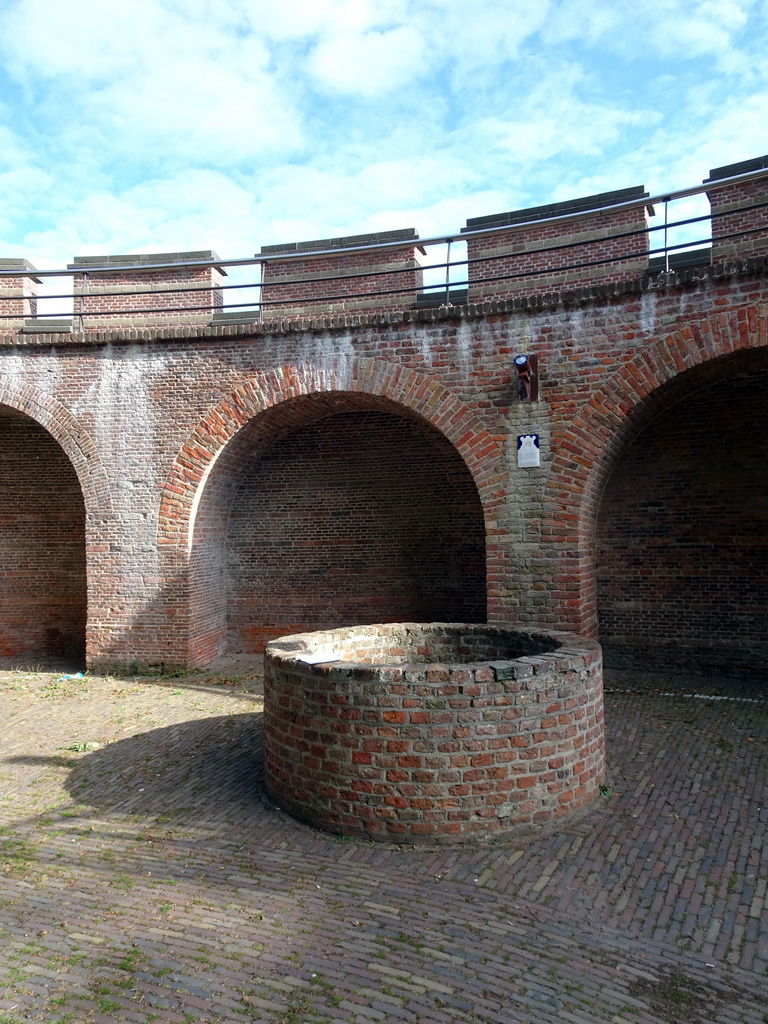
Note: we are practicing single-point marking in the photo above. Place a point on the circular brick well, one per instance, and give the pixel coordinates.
(429, 733)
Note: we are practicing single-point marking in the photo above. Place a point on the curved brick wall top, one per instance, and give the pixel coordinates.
(591, 241)
(411, 643)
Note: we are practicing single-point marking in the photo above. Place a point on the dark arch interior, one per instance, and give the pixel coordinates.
(348, 518)
(682, 533)
(42, 548)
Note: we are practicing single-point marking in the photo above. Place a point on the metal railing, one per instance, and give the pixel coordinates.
(452, 274)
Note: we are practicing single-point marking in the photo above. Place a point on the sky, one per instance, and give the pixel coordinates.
(176, 125)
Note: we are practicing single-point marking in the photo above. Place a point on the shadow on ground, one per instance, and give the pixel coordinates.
(145, 879)
(198, 767)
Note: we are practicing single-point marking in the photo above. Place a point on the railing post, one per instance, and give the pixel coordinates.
(666, 234)
(448, 273)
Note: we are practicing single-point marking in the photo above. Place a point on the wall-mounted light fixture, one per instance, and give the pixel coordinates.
(527, 367)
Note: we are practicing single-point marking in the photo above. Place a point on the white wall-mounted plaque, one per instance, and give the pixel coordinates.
(528, 452)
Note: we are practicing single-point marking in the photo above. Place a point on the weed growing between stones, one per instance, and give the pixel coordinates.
(676, 997)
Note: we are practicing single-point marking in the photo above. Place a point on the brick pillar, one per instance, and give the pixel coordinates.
(583, 227)
(18, 295)
(345, 280)
(729, 216)
(109, 294)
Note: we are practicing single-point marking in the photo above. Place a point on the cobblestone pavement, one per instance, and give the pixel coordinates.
(146, 879)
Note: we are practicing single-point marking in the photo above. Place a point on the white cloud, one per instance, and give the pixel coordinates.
(371, 48)
(155, 84)
(557, 121)
(473, 40)
(293, 19)
(204, 208)
(368, 63)
(90, 39)
(228, 124)
(13, 149)
(200, 111)
(667, 28)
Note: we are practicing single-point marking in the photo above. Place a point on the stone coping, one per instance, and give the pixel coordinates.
(571, 207)
(757, 163)
(415, 649)
(118, 261)
(404, 235)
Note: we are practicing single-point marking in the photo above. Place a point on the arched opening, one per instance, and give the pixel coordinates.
(682, 532)
(328, 511)
(43, 591)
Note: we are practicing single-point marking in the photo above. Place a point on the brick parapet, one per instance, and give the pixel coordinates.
(503, 732)
(543, 256)
(145, 296)
(674, 281)
(18, 294)
(348, 277)
(739, 210)
(592, 239)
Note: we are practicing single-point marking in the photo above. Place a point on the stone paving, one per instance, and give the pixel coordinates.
(147, 879)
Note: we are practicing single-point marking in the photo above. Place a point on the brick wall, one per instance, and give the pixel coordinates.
(683, 535)
(342, 281)
(360, 517)
(163, 424)
(575, 249)
(738, 206)
(148, 295)
(42, 547)
(18, 295)
(165, 417)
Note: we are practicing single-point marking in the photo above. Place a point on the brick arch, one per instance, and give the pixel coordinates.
(271, 406)
(372, 378)
(627, 401)
(76, 443)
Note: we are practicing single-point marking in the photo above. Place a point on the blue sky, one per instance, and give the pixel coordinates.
(165, 125)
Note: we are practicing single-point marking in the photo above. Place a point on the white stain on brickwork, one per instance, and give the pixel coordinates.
(465, 340)
(15, 366)
(126, 429)
(119, 403)
(648, 318)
